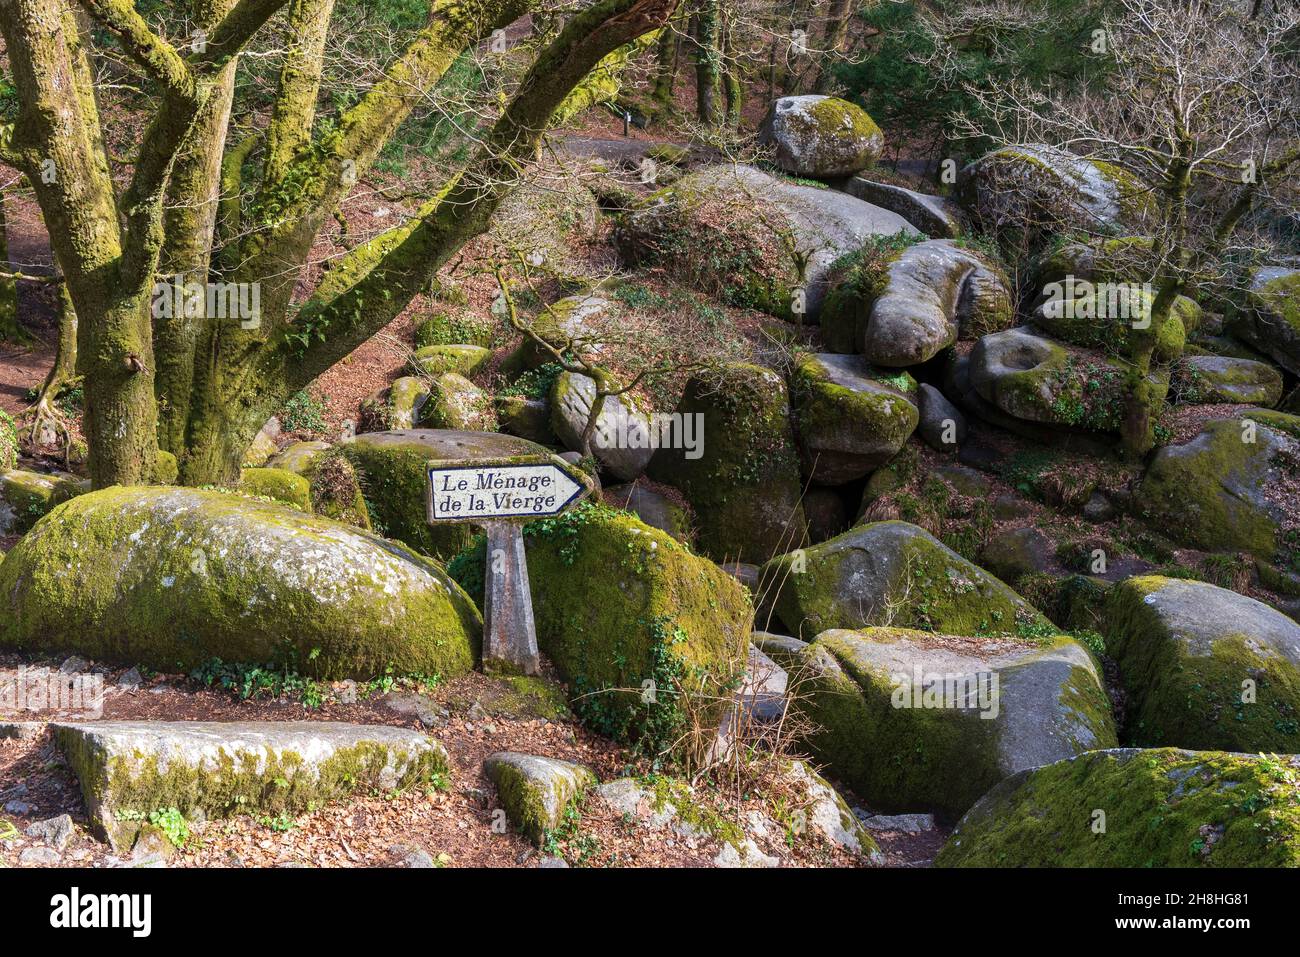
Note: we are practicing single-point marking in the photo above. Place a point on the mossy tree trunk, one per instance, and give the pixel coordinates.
(217, 379)
(707, 57)
(10, 331)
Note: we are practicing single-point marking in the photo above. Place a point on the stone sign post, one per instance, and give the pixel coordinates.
(501, 495)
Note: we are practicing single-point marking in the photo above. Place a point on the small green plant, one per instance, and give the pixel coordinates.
(173, 825)
(304, 412)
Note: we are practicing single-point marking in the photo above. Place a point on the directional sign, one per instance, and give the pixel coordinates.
(501, 495)
(480, 492)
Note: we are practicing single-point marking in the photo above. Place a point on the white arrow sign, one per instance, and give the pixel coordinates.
(482, 492)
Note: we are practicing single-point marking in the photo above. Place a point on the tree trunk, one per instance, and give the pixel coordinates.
(837, 27)
(10, 331)
(706, 61)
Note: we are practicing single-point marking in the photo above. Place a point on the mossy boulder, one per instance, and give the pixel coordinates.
(1270, 320)
(622, 607)
(1103, 317)
(653, 507)
(1042, 189)
(891, 573)
(1204, 668)
(1037, 379)
(917, 720)
(1163, 808)
(622, 441)
(394, 477)
(820, 136)
(336, 489)
(298, 457)
(397, 407)
(741, 235)
(742, 478)
(203, 769)
(1214, 379)
(535, 791)
(8, 442)
(526, 418)
(918, 301)
(850, 417)
(26, 496)
(172, 578)
(279, 484)
(1229, 489)
(465, 360)
(577, 322)
(456, 403)
(454, 327)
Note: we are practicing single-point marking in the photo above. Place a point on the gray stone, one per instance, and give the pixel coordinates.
(942, 425)
(552, 861)
(829, 815)
(55, 831)
(1098, 508)
(904, 823)
(820, 136)
(130, 680)
(418, 706)
(911, 719)
(18, 808)
(297, 458)
(1225, 379)
(411, 857)
(118, 764)
(621, 441)
(39, 857)
(652, 507)
(936, 216)
(20, 730)
(1270, 320)
(1013, 553)
(746, 855)
(535, 791)
(826, 513)
(527, 418)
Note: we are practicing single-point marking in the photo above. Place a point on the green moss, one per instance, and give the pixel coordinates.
(619, 604)
(1196, 699)
(454, 328)
(465, 360)
(1163, 808)
(25, 497)
(170, 578)
(280, 485)
(8, 442)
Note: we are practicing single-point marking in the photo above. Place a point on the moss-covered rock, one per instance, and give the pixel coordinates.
(910, 306)
(526, 418)
(336, 489)
(279, 484)
(26, 496)
(752, 239)
(456, 403)
(536, 791)
(915, 720)
(1212, 379)
(1036, 379)
(578, 322)
(653, 507)
(742, 480)
(1103, 317)
(130, 770)
(1204, 667)
(850, 417)
(454, 327)
(8, 442)
(1229, 488)
(465, 360)
(820, 136)
(298, 457)
(622, 441)
(394, 478)
(891, 573)
(1270, 320)
(1042, 189)
(630, 618)
(397, 407)
(1162, 808)
(172, 578)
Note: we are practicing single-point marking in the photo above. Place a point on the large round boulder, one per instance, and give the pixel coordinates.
(903, 308)
(850, 417)
(913, 720)
(1204, 667)
(890, 573)
(820, 136)
(172, 578)
(395, 479)
(740, 469)
(1231, 488)
(1160, 808)
(752, 239)
(1226, 379)
(621, 441)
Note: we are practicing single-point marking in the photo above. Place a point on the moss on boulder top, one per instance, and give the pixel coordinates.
(1163, 808)
(171, 578)
(279, 484)
(455, 327)
(394, 476)
(1231, 488)
(742, 481)
(536, 791)
(820, 136)
(619, 604)
(851, 418)
(26, 496)
(1103, 318)
(462, 359)
(891, 573)
(1204, 667)
(915, 720)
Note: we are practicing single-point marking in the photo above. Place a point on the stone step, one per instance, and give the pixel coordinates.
(131, 769)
